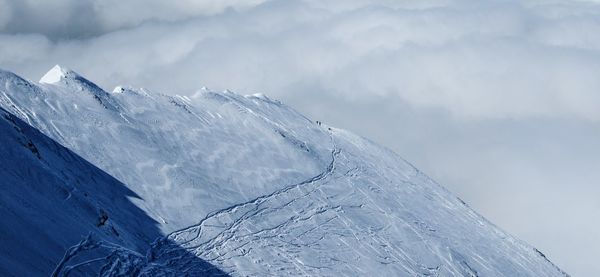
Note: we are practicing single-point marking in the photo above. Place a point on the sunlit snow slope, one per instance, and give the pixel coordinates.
(252, 187)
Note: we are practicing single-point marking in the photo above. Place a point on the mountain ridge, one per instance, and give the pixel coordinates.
(254, 168)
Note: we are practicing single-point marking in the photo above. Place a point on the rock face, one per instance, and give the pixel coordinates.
(244, 185)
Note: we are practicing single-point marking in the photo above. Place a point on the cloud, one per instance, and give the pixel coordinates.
(475, 59)
(5, 13)
(474, 92)
(64, 19)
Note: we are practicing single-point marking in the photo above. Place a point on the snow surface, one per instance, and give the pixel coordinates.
(252, 187)
(52, 199)
(55, 75)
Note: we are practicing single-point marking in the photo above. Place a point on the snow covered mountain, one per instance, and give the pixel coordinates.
(246, 186)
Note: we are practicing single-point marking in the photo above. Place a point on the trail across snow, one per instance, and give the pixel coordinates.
(191, 238)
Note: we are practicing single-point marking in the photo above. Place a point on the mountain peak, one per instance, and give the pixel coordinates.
(56, 74)
(70, 80)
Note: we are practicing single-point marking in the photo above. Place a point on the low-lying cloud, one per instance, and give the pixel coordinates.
(473, 58)
(491, 83)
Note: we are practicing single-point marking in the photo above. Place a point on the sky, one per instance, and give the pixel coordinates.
(498, 100)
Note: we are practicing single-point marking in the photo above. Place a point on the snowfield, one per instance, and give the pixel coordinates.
(51, 199)
(226, 185)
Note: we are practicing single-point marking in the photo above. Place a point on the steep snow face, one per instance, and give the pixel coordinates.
(253, 187)
(50, 198)
(53, 200)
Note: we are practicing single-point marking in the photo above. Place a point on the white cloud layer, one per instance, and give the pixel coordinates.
(491, 59)
(479, 93)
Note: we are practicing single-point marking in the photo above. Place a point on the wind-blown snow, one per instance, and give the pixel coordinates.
(255, 188)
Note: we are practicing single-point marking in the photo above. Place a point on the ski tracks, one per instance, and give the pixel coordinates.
(238, 230)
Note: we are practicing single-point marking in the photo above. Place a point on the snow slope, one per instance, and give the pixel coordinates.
(255, 188)
(52, 199)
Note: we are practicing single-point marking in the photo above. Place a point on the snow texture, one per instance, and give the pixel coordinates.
(246, 186)
(55, 75)
(51, 199)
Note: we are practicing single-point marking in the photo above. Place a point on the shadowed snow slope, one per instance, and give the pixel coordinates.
(51, 199)
(254, 188)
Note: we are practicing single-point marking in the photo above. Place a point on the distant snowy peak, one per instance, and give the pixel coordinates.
(57, 74)
(62, 76)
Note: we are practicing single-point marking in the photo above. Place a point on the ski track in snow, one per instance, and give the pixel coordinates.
(192, 238)
(169, 254)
